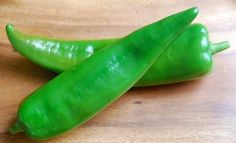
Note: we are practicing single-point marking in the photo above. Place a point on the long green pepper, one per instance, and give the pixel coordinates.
(188, 57)
(76, 95)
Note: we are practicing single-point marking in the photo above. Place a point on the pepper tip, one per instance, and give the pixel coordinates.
(196, 9)
(9, 26)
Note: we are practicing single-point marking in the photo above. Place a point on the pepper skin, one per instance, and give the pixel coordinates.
(190, 56)
(53, 54)
(76, 95)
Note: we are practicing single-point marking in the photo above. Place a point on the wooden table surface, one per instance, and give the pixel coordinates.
(201, 111)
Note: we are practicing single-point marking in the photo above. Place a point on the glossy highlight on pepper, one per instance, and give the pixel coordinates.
(76, 95)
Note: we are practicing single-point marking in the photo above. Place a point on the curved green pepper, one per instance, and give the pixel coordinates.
(190, 55)
(76, 95)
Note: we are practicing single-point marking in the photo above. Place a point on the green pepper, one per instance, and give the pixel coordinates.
(76, 95)
(190, 55)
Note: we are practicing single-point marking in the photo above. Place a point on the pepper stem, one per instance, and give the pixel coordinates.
(16, 128)
(217, 47)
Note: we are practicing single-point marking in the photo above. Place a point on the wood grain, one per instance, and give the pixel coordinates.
(202, 111)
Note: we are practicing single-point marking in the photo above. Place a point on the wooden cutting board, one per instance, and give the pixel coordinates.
(201, 111)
